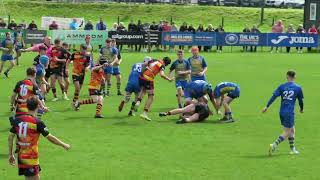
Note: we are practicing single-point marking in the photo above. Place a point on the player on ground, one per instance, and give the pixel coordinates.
(224, 94)
(97, 76)
(23, 90)
(108, 54)
(81, 63)
(65, 73)
(58, 57)
(116, 68)
(182, 72)
(289, 92)
(132, 85)
(27, 128)
(198, 65)
(18, 43)
(195, 112)
(7, 48)
(146, 82)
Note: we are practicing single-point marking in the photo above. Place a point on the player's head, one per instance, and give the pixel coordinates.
(114, 42)
(166, 61)
(208, 88)
(31, 72)
(44, 60)
(8, 35)
(147, 59)
(32, 103)
(47, 40)
(65, 45)
(108, 42)
(83, 48)
(195, 51)
(291, 75)
(87, 39)
(180, 54)
(57, 42)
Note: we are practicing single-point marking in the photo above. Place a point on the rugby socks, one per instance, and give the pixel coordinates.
(98, 109)
(180, 105)
(278, 141)
(87, 101)
(54, 92)
(228, 115)
(75, 97)
(146, 110)
(132, 106)
(108, 88)
(291, 143)
(118, 87)
(103, 87)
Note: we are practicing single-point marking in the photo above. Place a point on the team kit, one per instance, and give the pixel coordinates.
(194, 93)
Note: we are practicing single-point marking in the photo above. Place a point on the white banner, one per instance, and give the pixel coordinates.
(313, 11)
(63, 23)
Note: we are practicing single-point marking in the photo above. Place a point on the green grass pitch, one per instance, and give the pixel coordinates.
(119, 147)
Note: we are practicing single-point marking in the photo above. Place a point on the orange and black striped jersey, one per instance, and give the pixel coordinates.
(152, 70)
(80, 62)
(96, 78)
(24, 89)
(57, 53)
(28, 129)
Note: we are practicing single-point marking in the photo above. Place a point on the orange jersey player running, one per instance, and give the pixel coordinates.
(146, 82)
(27, 128)
(97, 76)
(81, 63)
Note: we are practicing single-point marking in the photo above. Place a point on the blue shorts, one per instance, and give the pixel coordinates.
(181, 84)
(234, 94)
(7, 57)
(188, 95)
(194, 78)
(132, 88)
(108, 70)
(287, 120)
(18, 48)
(116, 71)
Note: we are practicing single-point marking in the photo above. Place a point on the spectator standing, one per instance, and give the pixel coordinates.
(121, 27)
(101, 26)
(88, 26)
(132, 27)
(139, 29)
(277, 28)
(74, 25)
(254, 29)
(166, 28)
(209, 29)
(53, 26)
(3, 25)
(246, 30)
(154, 26)
(290, 30)
(32, 26)
(23, 24)
(220, 29)
(200, 29)
(183, 28)
(114, 27)
(12, 25)
(300, 30)
(312, 30)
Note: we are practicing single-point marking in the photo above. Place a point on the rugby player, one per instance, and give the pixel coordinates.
(23, 90)
(198, 65)
(27, 128)
(41, 63)
(289, 92)
(116, 69)
(81, 63)
(89, 50)
(146, 82)
(97, 76)
(224, 94)
(7, 48)
(197, 90)
(18, 43)
(108, 54)
(182, 71)
(58, 57)
(195, 112)
(65, 71)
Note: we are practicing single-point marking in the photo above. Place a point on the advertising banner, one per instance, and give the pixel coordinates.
(34, 36)
(77, 37)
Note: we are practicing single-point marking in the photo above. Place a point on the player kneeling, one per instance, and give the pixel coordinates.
(97, 76)
(232, 91)
(195, 112)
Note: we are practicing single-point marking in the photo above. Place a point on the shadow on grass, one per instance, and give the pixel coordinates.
(127, 123)
(263, 156)
(3, 156)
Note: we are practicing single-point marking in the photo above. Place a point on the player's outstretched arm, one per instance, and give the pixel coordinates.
(12, 159)
(58, 142)
(164, 76)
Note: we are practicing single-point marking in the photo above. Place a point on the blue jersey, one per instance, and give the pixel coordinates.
(196, 89)
(289, 92)
(181, 65)
(197, 65)
(9, 44)
(107, 54)
(232, 89)
(135, 73)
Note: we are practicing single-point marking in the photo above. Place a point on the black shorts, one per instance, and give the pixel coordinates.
(94, 92)
(203, 111)
(148, 85)
(48, 73)
(78, 78)
(57, 72)
(32, 171)
(65, 73)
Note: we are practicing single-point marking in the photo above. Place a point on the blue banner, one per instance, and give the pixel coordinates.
(204, 38)
(292, 40)
(241, 39)
(177, 38)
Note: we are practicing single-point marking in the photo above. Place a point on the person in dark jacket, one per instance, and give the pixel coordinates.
(183, 28)
(220, 29)
(88, 26)
(32, 26)
(200, 29)
(254, 29)
(245, 30)
(12, 25)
